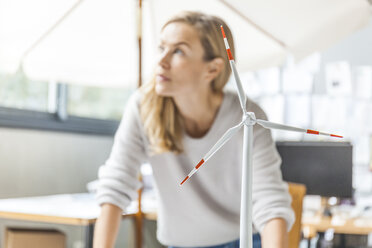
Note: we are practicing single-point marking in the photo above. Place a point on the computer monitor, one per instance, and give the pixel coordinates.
(324, 167)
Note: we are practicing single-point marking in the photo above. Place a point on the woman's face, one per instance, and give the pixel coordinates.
(180, 68)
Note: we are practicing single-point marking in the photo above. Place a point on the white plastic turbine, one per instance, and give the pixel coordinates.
(248, 121)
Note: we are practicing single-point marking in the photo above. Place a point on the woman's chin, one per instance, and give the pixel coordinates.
(163, 91)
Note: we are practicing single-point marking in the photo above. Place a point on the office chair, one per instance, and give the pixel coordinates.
(297, 191)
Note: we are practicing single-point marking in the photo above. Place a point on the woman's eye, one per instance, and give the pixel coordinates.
(178, 51)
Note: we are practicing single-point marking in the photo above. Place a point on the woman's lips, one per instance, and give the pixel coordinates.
(161, 78)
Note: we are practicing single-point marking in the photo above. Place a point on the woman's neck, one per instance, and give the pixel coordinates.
(199, 112)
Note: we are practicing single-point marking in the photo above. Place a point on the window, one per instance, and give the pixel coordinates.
(96, 102)
(26, 103)
(16, 91)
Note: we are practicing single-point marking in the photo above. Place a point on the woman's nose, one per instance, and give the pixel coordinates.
(164, 60)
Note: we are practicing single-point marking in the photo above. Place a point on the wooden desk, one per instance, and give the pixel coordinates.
(75, 215)
(312, 225)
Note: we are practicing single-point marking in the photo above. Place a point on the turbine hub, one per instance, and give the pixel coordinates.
(249, 118)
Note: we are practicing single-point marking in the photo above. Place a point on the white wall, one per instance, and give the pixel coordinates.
(42, 162)
(356, 49)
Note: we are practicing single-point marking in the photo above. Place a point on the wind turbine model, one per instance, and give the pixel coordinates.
(248, 120)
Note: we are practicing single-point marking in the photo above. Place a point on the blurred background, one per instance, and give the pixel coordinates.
(68, 67)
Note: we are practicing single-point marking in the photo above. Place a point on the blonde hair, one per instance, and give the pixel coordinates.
(162, 121)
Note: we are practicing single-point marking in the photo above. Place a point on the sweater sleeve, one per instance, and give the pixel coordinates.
(270, 196)
(118, 177)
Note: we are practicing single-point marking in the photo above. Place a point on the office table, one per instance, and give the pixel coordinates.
(311, 225)
(361, 226)
(73, 214)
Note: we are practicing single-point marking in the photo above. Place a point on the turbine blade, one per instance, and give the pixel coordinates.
(242, 95)
(272, 125)
(227, 135)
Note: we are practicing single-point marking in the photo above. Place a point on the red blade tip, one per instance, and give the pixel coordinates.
(337, 136)
(184, 180)
(223, 32)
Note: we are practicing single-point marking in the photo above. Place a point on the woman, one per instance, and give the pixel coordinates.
(171, 122)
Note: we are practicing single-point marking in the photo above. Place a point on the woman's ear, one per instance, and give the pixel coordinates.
(215, 67)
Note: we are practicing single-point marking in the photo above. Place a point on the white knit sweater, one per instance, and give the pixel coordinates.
(205, 210)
